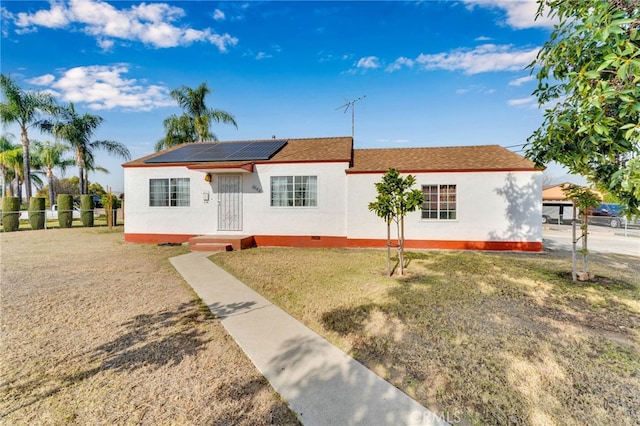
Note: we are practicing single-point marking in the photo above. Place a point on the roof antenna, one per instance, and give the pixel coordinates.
(351, 104)
(273, 136)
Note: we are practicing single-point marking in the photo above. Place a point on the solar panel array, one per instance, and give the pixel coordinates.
(221, 151)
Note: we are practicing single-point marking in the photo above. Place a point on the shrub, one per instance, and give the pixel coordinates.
(10, 214)
(36, 212)
(86, 210)
(65, 210)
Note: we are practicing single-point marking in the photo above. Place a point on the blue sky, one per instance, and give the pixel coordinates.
(432, 73)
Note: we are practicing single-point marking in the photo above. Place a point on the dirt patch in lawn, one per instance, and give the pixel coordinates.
(98, 331)
(480, 338)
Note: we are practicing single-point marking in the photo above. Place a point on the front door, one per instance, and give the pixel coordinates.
(229, 203)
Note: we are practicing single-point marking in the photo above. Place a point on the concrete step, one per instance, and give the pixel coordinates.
(220, 242)
(210, 246)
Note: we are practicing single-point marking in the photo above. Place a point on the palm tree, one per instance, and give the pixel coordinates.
(24, 108)
(10, 158)
(195, 122)
(13, 160)
(51, 156)
(78, 131)
(90, 166)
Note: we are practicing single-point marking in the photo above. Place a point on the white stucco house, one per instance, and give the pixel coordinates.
(315, 193)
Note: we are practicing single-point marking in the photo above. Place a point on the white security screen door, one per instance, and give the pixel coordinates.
(229, 203)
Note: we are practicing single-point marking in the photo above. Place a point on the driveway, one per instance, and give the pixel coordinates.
(601, 240)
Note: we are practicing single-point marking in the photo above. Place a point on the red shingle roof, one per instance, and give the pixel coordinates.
(408, 160)
(455, 158)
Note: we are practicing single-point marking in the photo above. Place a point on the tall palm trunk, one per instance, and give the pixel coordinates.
(80, 161)
(86, 181)
(51, 191)
(25, 162)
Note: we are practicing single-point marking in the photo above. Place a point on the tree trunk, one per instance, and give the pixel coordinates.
(401, 245)
(80, 161)
(25, 163)
(86, 182)
(51, 190)
(388, 248)
(17, 189)
(574, 261)
(585, 268)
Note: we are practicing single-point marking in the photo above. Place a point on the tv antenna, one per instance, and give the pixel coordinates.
(351, 104)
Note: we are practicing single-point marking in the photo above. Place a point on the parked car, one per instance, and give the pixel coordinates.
(608, 214)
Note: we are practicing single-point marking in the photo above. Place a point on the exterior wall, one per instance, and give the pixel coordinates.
(327, 219)
(495, 210)
(492, 207)
(176, 224)
(199, 218)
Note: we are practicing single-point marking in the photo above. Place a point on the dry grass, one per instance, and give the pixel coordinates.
(97, 331)
(484, 338)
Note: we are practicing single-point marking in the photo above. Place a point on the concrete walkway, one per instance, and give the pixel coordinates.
(322, 384)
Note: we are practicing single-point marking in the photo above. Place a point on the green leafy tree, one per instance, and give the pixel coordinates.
(24, 108)
(96, 189)
(61, 186)
(195, 122)
(52, 156)
(78, 130)
(589, 81)
(395, 199)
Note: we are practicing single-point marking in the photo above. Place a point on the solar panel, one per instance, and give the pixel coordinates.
(221, 151)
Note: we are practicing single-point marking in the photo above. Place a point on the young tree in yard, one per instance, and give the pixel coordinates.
(23, 108)
(396, 199)
(582, 198)
(383, 209)
(589, 80)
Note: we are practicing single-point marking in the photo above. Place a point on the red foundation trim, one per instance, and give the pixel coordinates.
(451, 245)
(157, 238)
(343, 242)
(300, 241)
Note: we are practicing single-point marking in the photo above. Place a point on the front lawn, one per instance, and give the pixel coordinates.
(486, 338)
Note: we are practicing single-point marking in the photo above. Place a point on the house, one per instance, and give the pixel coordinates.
(556, 208)
(315, 193)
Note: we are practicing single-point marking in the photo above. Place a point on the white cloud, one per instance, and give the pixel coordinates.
(368, 62)
(55, 17)
(104, 87)
(43, 80)
(218, 15)
(106, 44)
(485, 58)
(483, 38)
(530, 102)
(519, 13)
(522, 80)
(263, 55)
(153, 24)
(475, 88)
(399, 63)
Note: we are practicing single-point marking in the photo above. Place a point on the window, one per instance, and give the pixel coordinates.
(439, 202)
(169, 192)
(294, 191)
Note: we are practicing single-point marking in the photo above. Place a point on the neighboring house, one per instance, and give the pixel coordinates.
(315, 193)
(556, 208)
